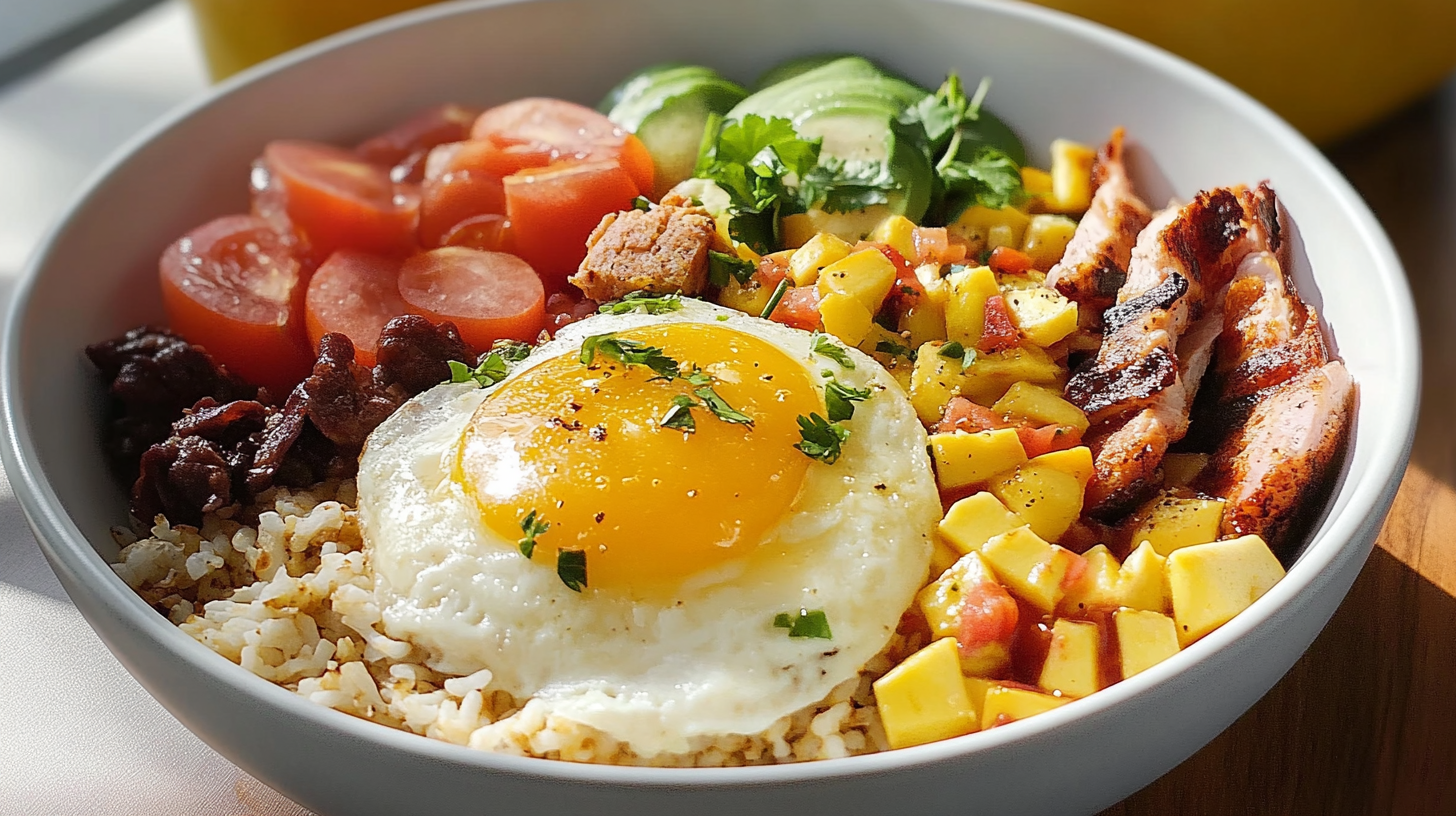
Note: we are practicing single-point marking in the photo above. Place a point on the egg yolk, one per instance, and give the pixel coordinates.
(584, 448)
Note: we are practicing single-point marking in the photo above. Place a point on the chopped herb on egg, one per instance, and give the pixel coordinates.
(628, 352)
(823, 346)
(808, 623)
(532, 525)
(895, 349)
(513, 351)
(839, 399)
(821, 439)
(698, 377)
(773, 300)
(723, 265)
(491, 370)
(680, 416)
(649, 302)
(721, 409)
(571, 568)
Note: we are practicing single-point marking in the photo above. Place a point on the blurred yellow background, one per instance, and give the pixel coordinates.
(1328, 66)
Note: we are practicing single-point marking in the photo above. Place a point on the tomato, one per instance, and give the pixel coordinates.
(569, 132)
(335, 200)
(489, 296)
(234, 287)
(961, 414)
(1009, 261)
(772, 268)
(404, 147)
(355, 294)
(998, 332)
(988, 615)
(936, 245)
(1048, 438)
(553, 210)
(799, 308)
(488, 232)
(465, 180)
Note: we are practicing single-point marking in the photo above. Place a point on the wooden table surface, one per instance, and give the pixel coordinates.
(1365, 723)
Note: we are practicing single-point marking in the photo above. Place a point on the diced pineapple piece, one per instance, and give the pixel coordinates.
(1180, 469)
(1028, 566)
(748, 297)
(924, 699)
(845, 317)
(1042, 315)
(974, 520)
(1071, 663)
(1071, 176)
(797, 229)
(976, 688)
(866, 276)
(811, 258)
(1003, 705)
(1046, 239)
(990, 375)
(965, 309)
(1141, 582)
(1136, 583)
(1036, 182)
(1169, 522)
(1046, 491)
(963, 459)
(1144, 639)
(933, 382)
(940, 602)
(898, 232)
(942, 556)
(1041, 405)
(976, 224)
(1211, 583)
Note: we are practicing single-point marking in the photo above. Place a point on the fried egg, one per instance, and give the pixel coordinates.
(690, 542)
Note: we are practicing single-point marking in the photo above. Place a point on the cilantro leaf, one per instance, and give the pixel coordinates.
(628, 353)
(532, 525)
(641, 203)
(808, 623)
(698, 377)
(824, 346)
(513, 351)
(650, 302)
(940, 113)
(773, 300)
(571, 568)
(720, 407)
(722, 266)
(680, 416)
(491, 370)
(989, 178)
(895, 350)
(748, 141)
(821, 439)
(839, 399)
(844, 186)
(955, 351)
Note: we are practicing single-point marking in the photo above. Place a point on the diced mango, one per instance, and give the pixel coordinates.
(1003, 705)
(1046, 491)
(924, 699)
(1071, 176)
(1046, 239)
(1025, 279)
(797, 229)
(1144, 639)
(1076, 462)
(990, 375)
(1036, 182)
(1071, 663)
(925, 321)
(1041, 405)
(748, 297)
(936, 289)
(1042, 315)
(965, 309)
(1030, 567)
(898, 232)
(977, 224)
(940, 602)
(1180, 469)
(818, 252)
(933, 382)
(866, 276)
(963, 459)
(942, 556)
(1141, 582)
(1211, 583)
(845, 317)
(976, 688)
(974, 520)
(1169, 522)
(877, 334)
(1136, 583)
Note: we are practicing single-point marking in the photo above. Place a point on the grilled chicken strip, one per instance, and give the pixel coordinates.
(1094, 266)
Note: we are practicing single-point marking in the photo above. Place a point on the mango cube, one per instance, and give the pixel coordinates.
(1046, 491)
(1211, 583)
(1003, 705)
(984, 228)
(974, 520)
(1169, 523)
(942, 556)
(1076, 462)
(933, 382)
(866, 276)
(745, 297)
(1144, 639)
(963, 459)
(1071, 665)
(798, 229)
(1036, 182)
(845, 317)
(1042, 315)
(1141, 580)
(1046, 239)
(898, 232)
(940, 602)
(976, 688)
(1180, 469)
(1136, 583)
(1030, 567)
(965, 308)
(1041, 405)
(925, 321)
(989, 376)
(924, 699)
(810, 259)
(1071, 176)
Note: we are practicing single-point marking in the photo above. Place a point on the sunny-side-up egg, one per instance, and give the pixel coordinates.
(691, 542)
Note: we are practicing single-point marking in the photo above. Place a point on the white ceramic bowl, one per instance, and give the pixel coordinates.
(1054, 76)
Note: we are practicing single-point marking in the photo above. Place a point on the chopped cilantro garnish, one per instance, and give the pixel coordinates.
(649, 302)
(491, 370)
(641, 203)
(821, 439)
(720, 407)
(895, 349)
(988, 178)
(808, 623)
(750, 159)
(955, 351)
(824, 346)
(845, 186)
(839, 399)
(680, 416)
(698, 377)
(773, 300)
(513, 351)
(969, 171)
(571, 568)
(628, 352)
(722, 266)
(532, 525)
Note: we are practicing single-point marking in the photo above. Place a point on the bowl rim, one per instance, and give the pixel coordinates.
(1371, 491)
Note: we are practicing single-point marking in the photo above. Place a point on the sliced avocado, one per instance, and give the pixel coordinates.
(635, 84)
(792, 68)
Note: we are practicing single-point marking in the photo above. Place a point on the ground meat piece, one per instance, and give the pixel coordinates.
(663, 249)
(414, 353)
(202, 466)
(344, 401)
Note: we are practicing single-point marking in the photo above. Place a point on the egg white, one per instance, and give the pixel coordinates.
(662, 674)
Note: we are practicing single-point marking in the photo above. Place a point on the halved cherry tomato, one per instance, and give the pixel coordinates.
(356, 294)
(988, 615)
(553, 210)
(1048, 438)
(570, 132)
(489, 296)
(961, 414)
(234, 287)
(403, 148)
(455, 198)
(488, 232)
(998, 332)
(1009, 261)
(799, 308)
(335, 200)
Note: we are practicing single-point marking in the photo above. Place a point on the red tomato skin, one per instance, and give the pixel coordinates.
(454, 198)
(988, 615)
(356, 294)
(570, 132)
(935, 245)
(1048, 438)
(247, 314)
(998, 333)
(799, 308)
(553, 211)
(403, 148)
(489, 296)
(961, 414)
(1009, 261)
(488, 232)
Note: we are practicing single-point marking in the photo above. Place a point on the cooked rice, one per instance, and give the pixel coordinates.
(291, 600)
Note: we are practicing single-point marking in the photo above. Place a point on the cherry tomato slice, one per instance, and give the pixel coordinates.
(552, 212)
(354, 293)
(335, 200)
(963, 415)
(454, 198)
(569, 132)
(234, 287)
(1009, 261)
(988, 615)
(403, 148)
(489, 296)
(488, 232)
(798, 308)
(999, 332)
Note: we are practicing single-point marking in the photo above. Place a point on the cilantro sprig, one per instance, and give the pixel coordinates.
(723, 266)
(839, 399)
(845, 186)
(807, 623)
(489, 371)
(679, 415)
(895, 350)
(628, 353)
(531, 527)
(955, 350)
(571, 568)
(821, 439)
(513, 351)
(824, 346)
(750, 159)
(643, 301)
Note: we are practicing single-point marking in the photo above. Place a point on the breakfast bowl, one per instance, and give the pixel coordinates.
(96, 276)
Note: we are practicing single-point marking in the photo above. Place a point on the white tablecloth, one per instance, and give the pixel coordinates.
(78, 736)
